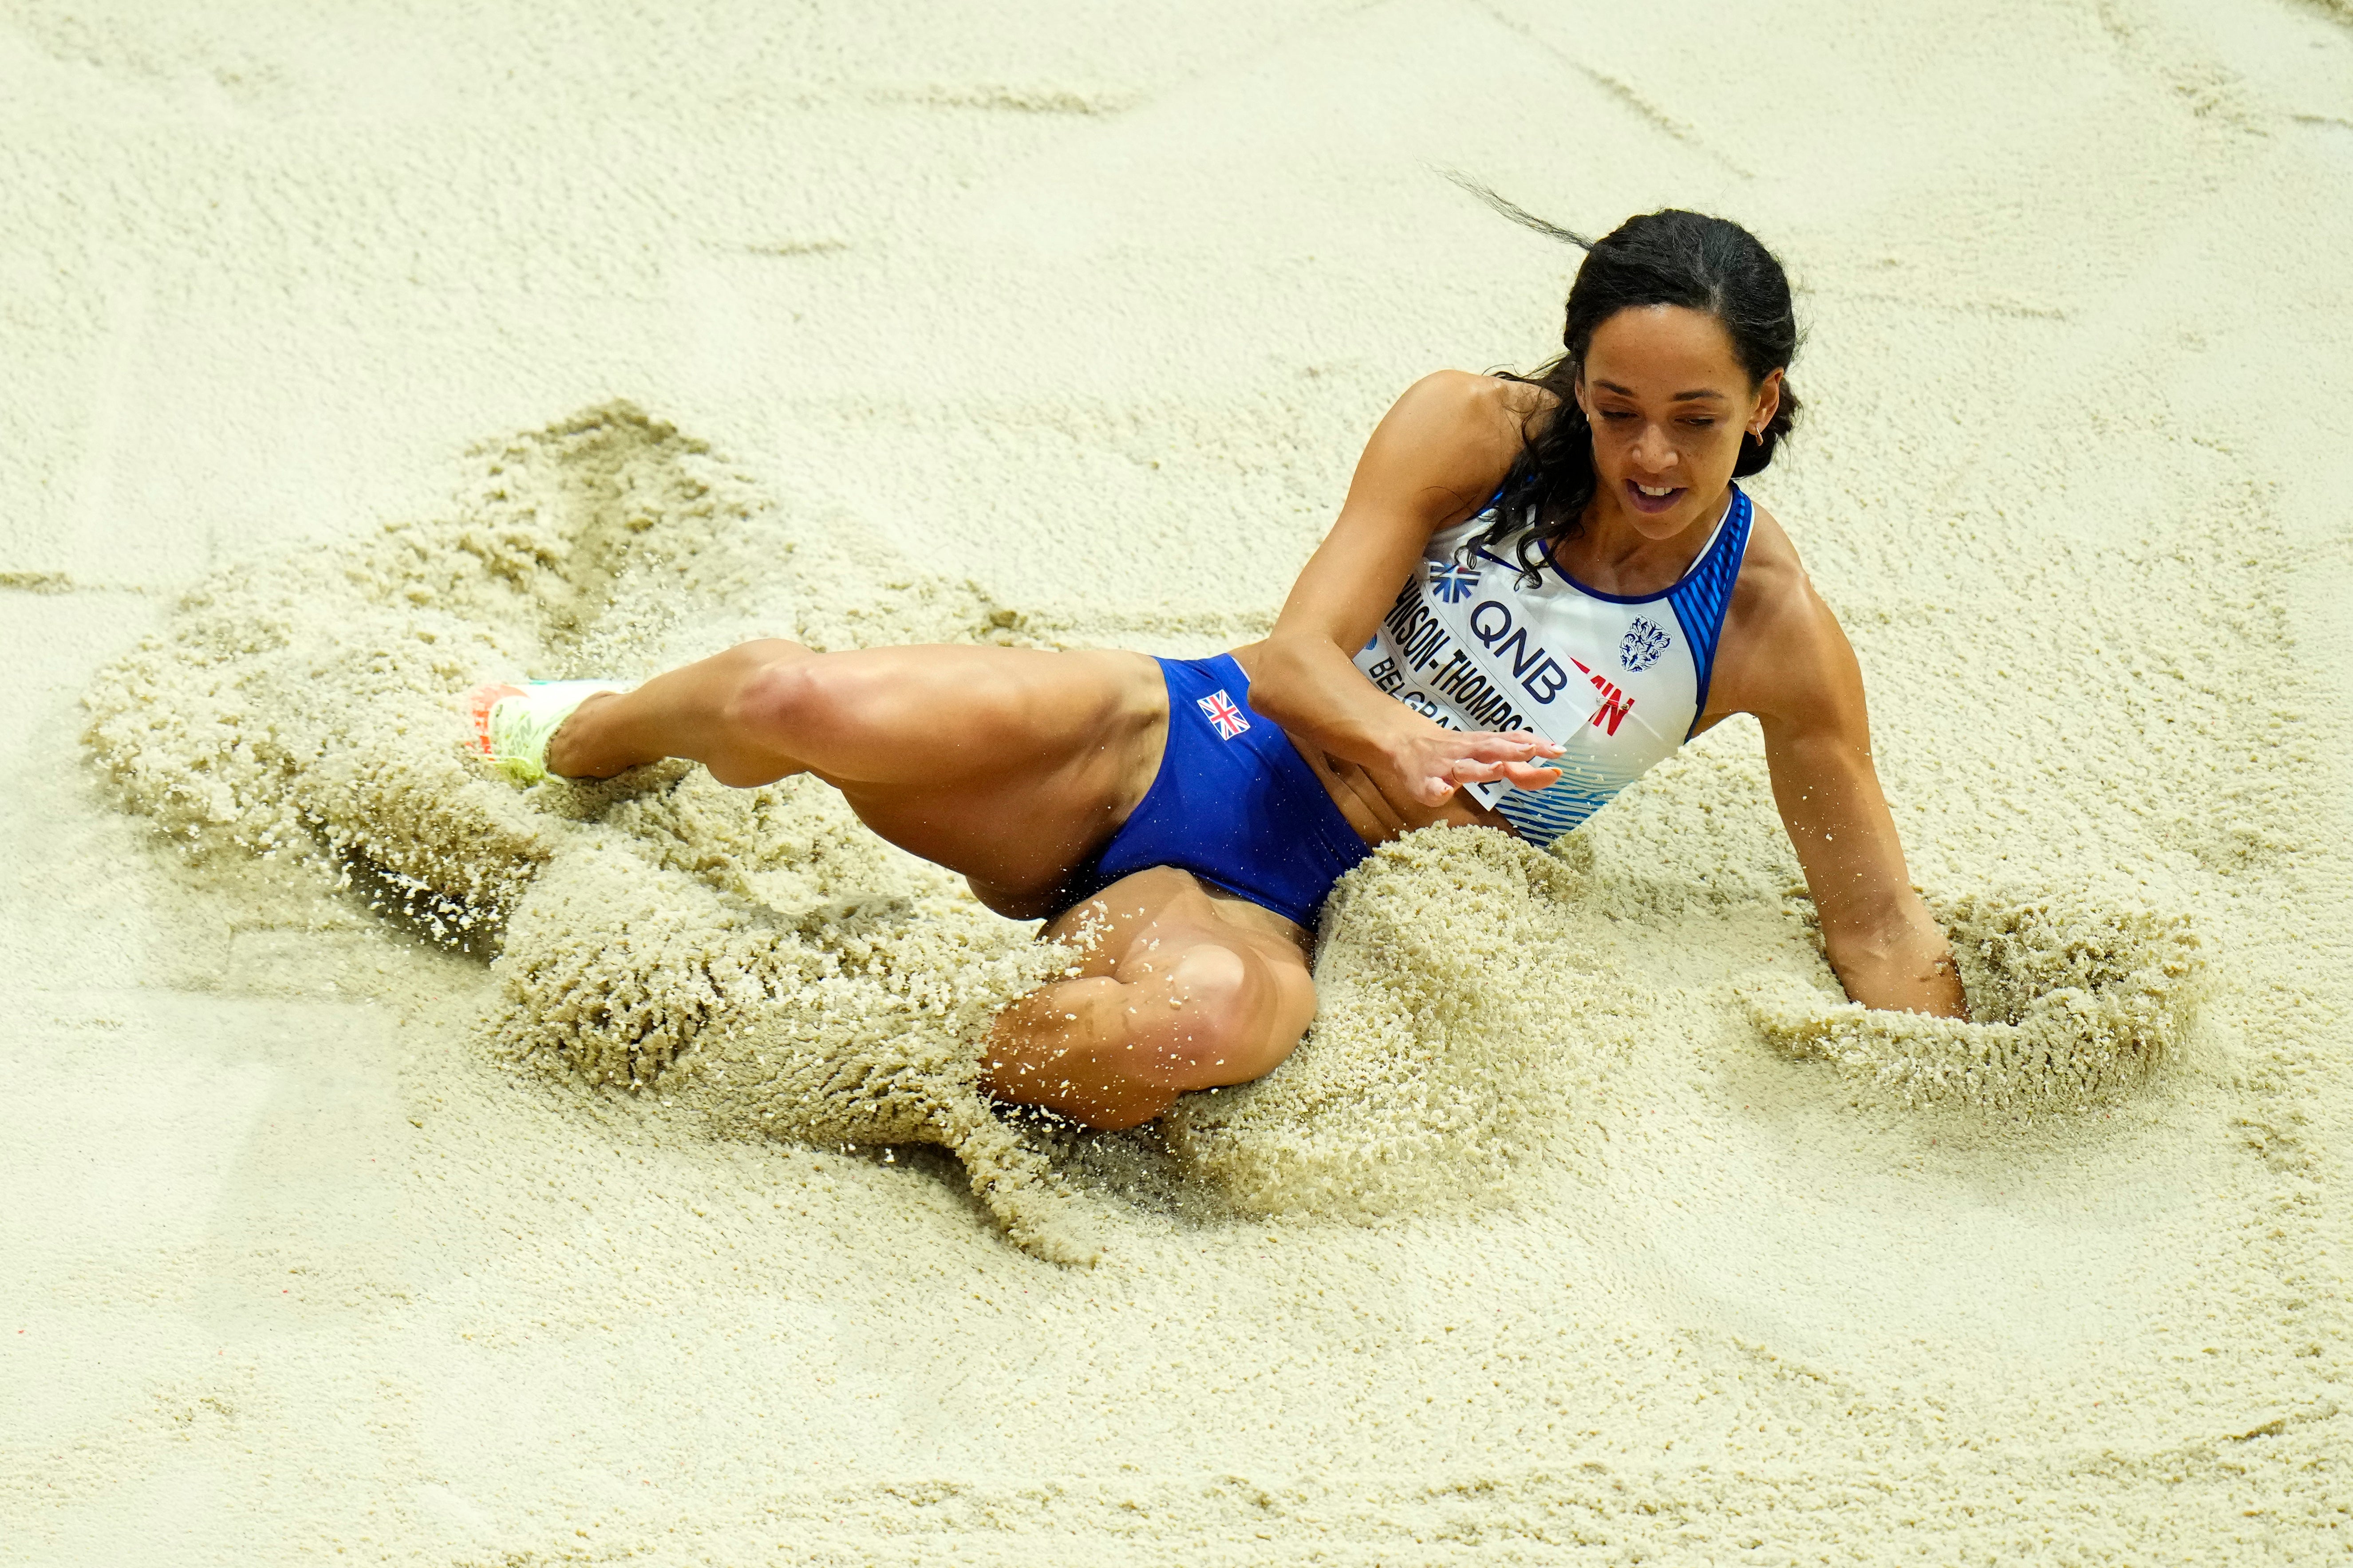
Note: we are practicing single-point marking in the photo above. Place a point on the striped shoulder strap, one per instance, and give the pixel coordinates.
(1701, 599)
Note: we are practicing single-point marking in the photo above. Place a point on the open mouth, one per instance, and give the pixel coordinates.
(1652, 497)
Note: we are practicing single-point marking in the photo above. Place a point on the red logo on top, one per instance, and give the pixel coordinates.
(1615, 703)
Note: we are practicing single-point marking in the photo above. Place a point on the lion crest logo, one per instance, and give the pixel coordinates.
(1645, 641)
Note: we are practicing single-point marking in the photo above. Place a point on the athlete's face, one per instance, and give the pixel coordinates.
(1669, 401)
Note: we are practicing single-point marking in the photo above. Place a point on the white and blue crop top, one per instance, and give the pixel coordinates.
(1619, 682)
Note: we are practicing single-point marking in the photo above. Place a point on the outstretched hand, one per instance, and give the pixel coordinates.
(1430, 763)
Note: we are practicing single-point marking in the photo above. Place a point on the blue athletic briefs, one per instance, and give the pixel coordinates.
(1234, 803)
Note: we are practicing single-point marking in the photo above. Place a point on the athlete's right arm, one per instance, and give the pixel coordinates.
(1432, 462)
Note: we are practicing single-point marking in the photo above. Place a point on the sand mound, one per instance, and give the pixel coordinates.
(850, 1019)
(2072, 1003)
(1452, 1010)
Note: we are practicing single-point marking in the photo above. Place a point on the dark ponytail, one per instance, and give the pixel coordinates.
(1670, 257)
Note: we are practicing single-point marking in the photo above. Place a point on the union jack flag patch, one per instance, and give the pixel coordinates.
(1221, 711)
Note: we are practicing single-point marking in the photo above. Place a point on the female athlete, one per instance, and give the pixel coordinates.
(1536, 588)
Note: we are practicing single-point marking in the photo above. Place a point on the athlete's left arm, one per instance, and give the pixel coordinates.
(1806, 690)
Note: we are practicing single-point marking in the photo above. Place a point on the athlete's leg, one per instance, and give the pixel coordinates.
(692, 711)
(1176, 989)
(1010, 765)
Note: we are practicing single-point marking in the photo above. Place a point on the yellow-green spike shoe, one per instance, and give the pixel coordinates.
(513, 724)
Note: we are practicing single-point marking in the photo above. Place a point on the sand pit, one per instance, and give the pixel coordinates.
(412, 1168)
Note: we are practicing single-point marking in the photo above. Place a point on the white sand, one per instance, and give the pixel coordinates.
(1588, 1226)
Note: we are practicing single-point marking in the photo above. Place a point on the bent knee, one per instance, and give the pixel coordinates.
(1220, 1020)
(787, 702)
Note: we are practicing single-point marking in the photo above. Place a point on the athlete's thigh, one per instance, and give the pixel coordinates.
(929, 714)
(1010, 765)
